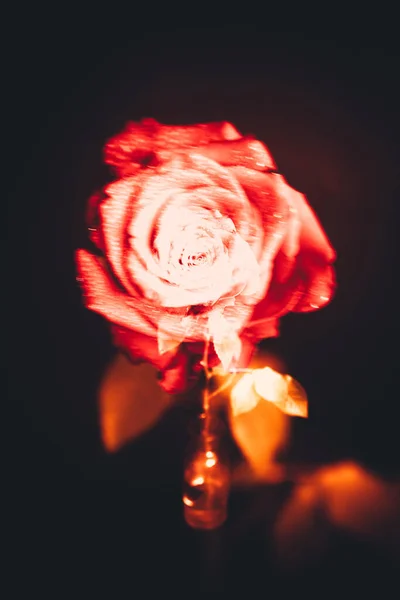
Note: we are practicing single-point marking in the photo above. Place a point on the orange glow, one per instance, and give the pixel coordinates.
(264, 359)
(259, 423)
(187, 501)
(282, 390)
(130, 402)
(296, 403)
(358, 501)
(206, 488)
(243, 396)
(270, 385)
(260, 432)
(343, 496)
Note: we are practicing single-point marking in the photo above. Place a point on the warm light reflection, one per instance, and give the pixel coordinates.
(343, 497)
(260, 433)
(243, 395)
(264, 358)
(270, 385)
(357, 500)
(198, 480)
(205, 488)
(210, 462)
(267, 384)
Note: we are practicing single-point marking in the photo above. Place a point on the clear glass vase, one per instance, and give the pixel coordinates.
(206, 476)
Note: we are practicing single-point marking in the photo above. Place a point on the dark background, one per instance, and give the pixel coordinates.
(327, 108)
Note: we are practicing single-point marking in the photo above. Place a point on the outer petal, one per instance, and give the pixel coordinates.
(313, 240)
(320, 283)
(303, 278)
(115, 214)
(285, 259)
(102, 296)
(261, 328)
(147, 142)
(140, 346)
(314, 259)
(194, 135)
(245, 152)
(291, 248)
(93, 219)
(279, 300)
(266, 193)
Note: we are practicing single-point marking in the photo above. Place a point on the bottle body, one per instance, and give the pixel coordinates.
(206, 480)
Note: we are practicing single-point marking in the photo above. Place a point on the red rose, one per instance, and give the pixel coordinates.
(199, 230)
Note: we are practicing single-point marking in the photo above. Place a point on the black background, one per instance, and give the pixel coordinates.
(327, 108)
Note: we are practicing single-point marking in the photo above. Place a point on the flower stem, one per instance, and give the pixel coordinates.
(233, 371)
(206, 394)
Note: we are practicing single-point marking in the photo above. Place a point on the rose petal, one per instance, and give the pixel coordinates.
(186, 172)
(245, 152)
(140, 346)
(207, 168)
(313, 240)
(267, 194)
(320, 286)
(102, 296)
(115, 211)
(193, 135)
(247, 270)
(156, 193)
(187, 231)
(228, 348)
(223, 178)
(177, 367)
(280, 299)
(301, 280)
(141, 143)
(285, 259)
(171, 332)
(314, 259)
(260, 329)
(175, 380)
(93, 219)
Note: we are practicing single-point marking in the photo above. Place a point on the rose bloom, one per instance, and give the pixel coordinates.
(198, 230)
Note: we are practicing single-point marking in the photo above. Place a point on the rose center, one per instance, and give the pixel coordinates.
(196, 259)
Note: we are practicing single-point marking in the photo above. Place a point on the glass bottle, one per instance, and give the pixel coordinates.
(206, 476)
